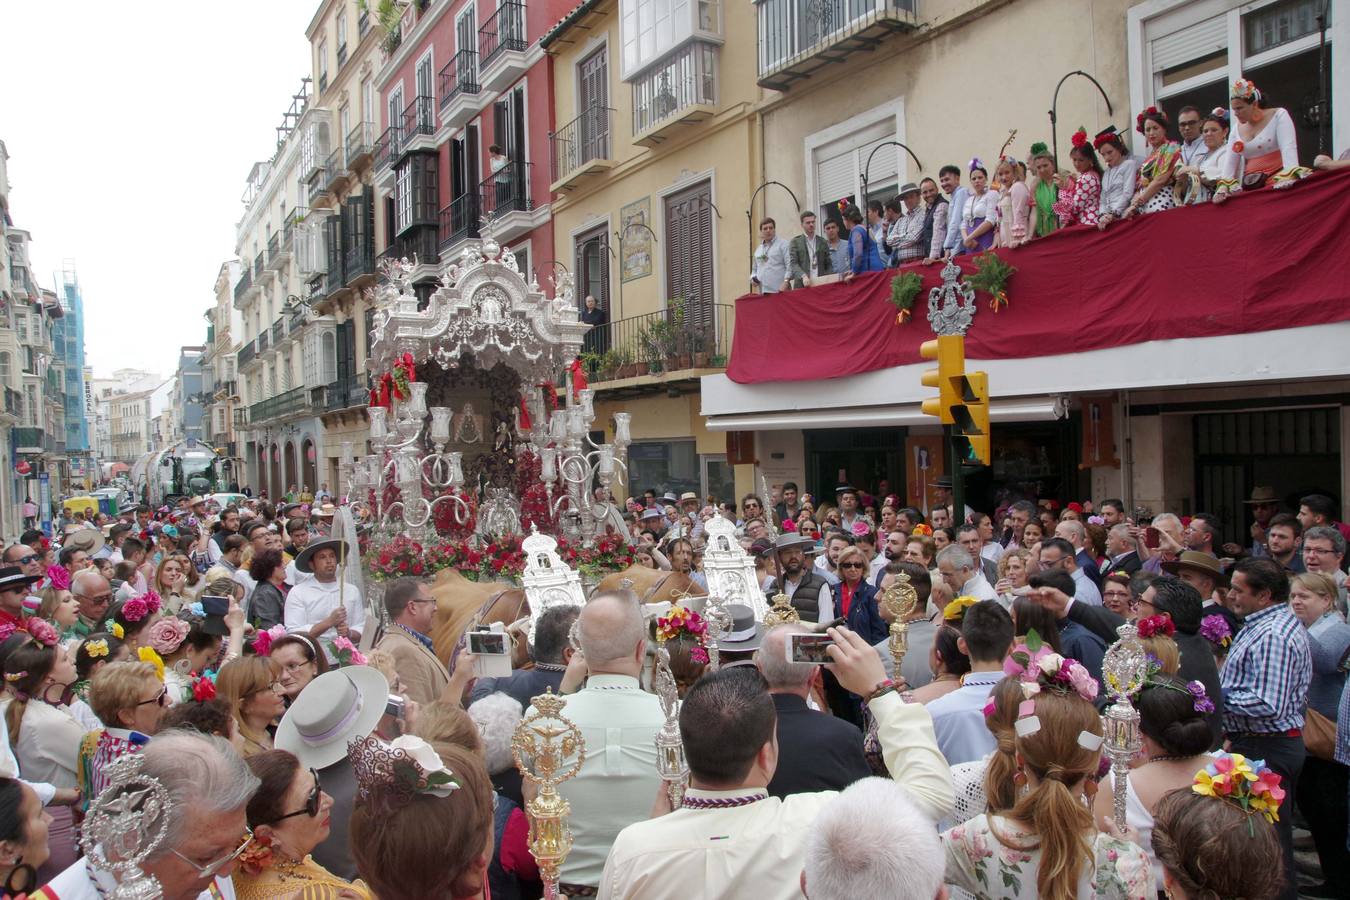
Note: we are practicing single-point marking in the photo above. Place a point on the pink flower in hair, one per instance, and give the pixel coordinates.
(135, 609)
(43, 632)
(262, 643)
(167, 635)
(60, 577)
(152, 601)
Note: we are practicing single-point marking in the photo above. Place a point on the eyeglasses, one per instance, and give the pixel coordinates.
(851, 565)
(25, 560)
(162, 698)
(1318, 551)
(209, 869)
(97, 598)
(311, 807)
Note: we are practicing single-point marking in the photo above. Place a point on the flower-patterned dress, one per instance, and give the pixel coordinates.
(991, 870)
(1079, 206)
(1162, 160)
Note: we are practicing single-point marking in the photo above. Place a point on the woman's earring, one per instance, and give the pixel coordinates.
(183, 667)
(1020, 782)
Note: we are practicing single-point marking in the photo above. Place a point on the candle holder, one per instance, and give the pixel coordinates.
(670, 761)
(1124, 669)
(901, 601)
(548, 748)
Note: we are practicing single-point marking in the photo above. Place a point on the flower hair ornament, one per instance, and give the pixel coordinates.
(262, 642)
(974, 164)
(389, 775)
(203, 688)
(1216, 630)
(96, 649)
(147, 654)
(1037, 667)
(956, 610)
(1200, 701)
(1107, 135)
(682, 620)
(59, 576)
(1250, 785)
(1151, 113)
(43, 632)
(1154, 626)
(7, 631)
(1246, 89)
(922, 530)
(126, 824)
(116, 630)
(1080, 137)
(167, 635)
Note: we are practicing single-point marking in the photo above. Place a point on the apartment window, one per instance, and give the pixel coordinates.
(344, 128)
(651, 28)
(417, 191)
(342, 35)
(286, 373)
(842, 153)
(689, 246)
(31, 405)
(328, 358)
(367, 100)
(592, 266)
(403, 191)
(21, 326)
(323, 65)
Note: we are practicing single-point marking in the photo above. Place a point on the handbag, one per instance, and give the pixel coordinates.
(1319, 735)
(1253, 180)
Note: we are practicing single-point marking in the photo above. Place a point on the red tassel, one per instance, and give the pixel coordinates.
(579, 382)
(526, 423)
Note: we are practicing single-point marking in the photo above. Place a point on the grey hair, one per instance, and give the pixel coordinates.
(1120, 532)
(1327, 533)
(772, 660)
(957, 556)
(1166, 519)
(873, 840)
(1075, 527)
(82, 577)
(202, 773)
(496, 716)
(621, 640)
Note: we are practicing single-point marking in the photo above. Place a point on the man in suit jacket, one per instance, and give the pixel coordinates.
(816, 751)
(551, 652)
(412, 610)
(1120, 547)
(809, 253)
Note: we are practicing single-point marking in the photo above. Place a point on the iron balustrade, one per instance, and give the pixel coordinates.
(581, 140)
(460, 76)
(358, 257)
(790, 30)
(505, 30)
(688, 78)
(459, 220)
(278, 332)
(246, 354)
(690, 334)
(241, 287)
(258, 262)
(507, 190)
(419, 117)
(386, 147)
(293, 401)
(318, 181)
(273, 245)
(262, 341)
(288, 232)
(360, 142)
(346, 393)
(335, 168)
(419, 245)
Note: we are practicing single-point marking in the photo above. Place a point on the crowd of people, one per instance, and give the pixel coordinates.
(1204, 156)
(976, 769)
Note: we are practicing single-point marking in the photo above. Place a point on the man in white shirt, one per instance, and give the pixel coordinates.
(772, 260)
(958, 717)
(958, 571)
(730, 838)
(619, 779)
(326, 607)
(1058, 553)
(206, 824)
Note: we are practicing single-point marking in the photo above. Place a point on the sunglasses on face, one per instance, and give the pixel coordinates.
(851, 565)
(311, 807)
(162, 698)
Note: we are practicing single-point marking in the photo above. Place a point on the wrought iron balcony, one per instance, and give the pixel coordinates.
(262, 341)
(507, 190)
(246, 354)
(688, 335)
(337, 168)
(346, 393)
(243, 284)
(459, 88)
(258, 263)
(360, 144)
(582, 146)
(417, 121)
(293, 402)
(459, 220)
(318, 181)
(358, 258)
(274, 258)
(420, 247)
(386, 147)
(680, 91)
(362, 22)
(797, 39)
(278, 332)
(505, 30)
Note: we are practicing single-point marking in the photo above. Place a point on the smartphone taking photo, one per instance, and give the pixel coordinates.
(808, 648)
(491, 652)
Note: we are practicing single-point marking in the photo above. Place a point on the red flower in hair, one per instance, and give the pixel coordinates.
(1156, 625)
(1080, 137)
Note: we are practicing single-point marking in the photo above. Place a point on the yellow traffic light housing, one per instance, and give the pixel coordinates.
(970, 416)
(950, 353)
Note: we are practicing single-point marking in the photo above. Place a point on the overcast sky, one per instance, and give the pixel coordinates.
(130, 130)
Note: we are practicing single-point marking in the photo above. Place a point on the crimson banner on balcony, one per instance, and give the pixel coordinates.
(1265, 260)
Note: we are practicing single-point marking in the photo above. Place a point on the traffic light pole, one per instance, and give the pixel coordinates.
(958, 483)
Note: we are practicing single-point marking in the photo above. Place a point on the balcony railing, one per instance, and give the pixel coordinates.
(241, 417)
(460, 76)
(691, 335)
(258, 262)
(262, 341)
(507, 190)
(419, 118)
(288, 404)
(360, 143)
(273, 245)
(246, 354)
(686, 81)
(420, 246)
(288, 232)
(582, 140)
(346, 393)
(318, 181)
(29, 438)
(386, 147)
(337, 168)
(241, 287)
(504, 31)
(796, 39)
(278, 332)
(358, 258)
(459, 220)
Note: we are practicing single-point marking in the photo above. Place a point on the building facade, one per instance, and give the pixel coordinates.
(219, 368)
(1181, 427)
(16, 289)
(68, 346)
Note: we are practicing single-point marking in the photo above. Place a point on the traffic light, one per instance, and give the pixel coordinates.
(970, 416)
(950, 353)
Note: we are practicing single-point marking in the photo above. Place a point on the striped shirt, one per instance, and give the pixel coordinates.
(1265, 679)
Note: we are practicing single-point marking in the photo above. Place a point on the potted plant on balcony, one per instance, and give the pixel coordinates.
(624, 367)
(698, 345)
(661, 344)
(609, 365)
(590, 363)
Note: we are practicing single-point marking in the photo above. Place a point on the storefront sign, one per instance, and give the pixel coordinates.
(924, 462)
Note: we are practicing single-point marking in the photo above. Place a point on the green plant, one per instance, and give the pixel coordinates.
(991, 275)
(388, 15)
(660, 338)
(719, 360)
(904, 288)
(590, 362)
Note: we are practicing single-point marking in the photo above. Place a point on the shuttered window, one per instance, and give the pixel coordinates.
(690, 264)
(1200, 40)
(592, 267)
(839, 166)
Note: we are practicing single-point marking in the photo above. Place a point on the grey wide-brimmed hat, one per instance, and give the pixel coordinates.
(745, 633)
(908, 188)
(331, 710)
(791, 541)
(90, 540)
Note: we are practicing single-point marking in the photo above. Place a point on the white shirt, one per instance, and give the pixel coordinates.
(958, 718)
(77, 883)
(49, 744)
(9, 768)
(1085, 590)
(772, 262)
(310, 603)
(618, 781)
(822, 569)
(754, 852)
(979, 588)
(992, 551)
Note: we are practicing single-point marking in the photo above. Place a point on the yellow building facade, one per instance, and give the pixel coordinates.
(654, 159)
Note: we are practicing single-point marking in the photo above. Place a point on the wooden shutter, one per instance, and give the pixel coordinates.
(1195, 42)
(333, 233)
(690, 262)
